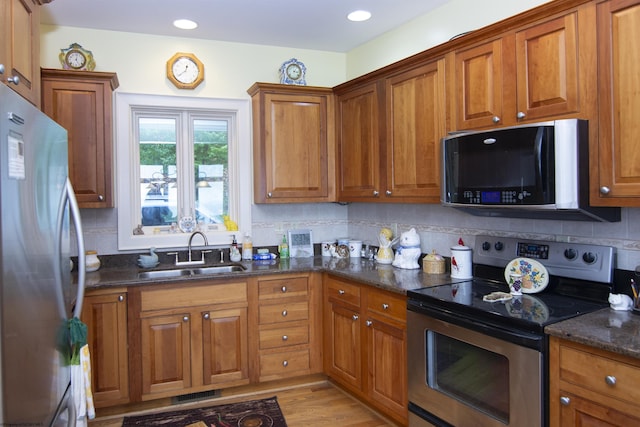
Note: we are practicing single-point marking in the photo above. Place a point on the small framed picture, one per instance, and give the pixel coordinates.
(300, 243)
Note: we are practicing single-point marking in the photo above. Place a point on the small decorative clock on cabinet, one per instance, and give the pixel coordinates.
(75, 57)
(292, 72)
(185, 70)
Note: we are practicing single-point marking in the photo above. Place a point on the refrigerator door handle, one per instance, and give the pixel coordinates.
(75, 213)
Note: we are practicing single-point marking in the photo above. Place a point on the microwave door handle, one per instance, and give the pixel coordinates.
(537, 148)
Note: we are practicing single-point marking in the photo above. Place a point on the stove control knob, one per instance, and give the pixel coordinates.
(570, 253)
(589, 257)
(499, 246)
(486, 246)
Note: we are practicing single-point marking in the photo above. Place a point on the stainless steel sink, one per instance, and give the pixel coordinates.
(181, 272)
(218, 269)
(162, 274)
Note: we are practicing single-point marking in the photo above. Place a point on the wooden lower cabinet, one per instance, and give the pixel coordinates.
(591, 387)
(288, 325)
(105, 314)
(365, 344)
(193, 338)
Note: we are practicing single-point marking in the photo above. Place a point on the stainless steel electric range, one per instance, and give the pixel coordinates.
(482, 363)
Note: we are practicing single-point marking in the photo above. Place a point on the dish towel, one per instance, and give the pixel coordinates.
(81, 388)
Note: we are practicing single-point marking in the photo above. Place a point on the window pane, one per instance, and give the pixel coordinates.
(211, 174)
(158, 171)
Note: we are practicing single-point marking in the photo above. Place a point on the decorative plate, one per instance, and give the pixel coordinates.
(534, 275)
(256, 420)
(528, 307)
(187, 224)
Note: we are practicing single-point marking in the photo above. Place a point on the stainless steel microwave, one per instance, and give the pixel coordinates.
(538, 170)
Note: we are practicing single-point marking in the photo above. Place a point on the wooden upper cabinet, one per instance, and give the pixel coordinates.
(358, 158)
(293, 144)
(539, 72)
(615, 154)
(20, 47)
(81, 102)
(415, 108)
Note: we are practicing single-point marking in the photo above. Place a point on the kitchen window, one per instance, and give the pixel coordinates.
(184, 164)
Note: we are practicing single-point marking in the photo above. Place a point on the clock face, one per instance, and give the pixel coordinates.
(294, 72)
(75, 59)
(185, 70)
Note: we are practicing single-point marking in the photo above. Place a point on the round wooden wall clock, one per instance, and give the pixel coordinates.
(185, 70)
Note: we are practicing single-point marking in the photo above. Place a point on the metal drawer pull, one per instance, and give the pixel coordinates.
(355, 317)
(120, 298)
(185, 319)
(341, 292)
(565, 401)
(284, 338)
(610, 379)
(206, 316)
(369, 323)
(285, 363)
(284, 313)
(385, 306)
(284, 289)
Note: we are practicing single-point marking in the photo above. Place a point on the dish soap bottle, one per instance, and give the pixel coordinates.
(234, 254)
(283, 248)
(247, 247)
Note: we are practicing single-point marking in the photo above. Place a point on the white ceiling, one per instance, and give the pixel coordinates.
(305, 24)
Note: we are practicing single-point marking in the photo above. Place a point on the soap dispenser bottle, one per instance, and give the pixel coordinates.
(284, 247)
(247, 247)
(235, 252)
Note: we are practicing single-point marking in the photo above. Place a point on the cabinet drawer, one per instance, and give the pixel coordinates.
(343, 292)
(285, 287)
(284, 363)
(190, 296)
(387, 305)
(284, 312)
(284, 337)
(591, 371)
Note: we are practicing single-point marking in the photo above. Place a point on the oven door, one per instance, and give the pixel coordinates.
(463, 377)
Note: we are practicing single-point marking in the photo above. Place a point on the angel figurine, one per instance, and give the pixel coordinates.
(385, 253)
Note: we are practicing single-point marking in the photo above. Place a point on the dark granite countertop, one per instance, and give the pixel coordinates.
(606, 329)
(362, 270)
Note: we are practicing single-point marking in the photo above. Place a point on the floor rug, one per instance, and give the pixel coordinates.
(254, 413)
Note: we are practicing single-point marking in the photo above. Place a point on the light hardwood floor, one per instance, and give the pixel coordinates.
(312, 402)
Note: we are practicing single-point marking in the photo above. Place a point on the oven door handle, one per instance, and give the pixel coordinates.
(526, 339)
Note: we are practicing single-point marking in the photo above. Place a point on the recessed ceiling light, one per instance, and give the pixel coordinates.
(185, 24)
(359, 15)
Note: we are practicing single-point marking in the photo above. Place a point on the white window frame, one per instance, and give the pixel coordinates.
(127, 169)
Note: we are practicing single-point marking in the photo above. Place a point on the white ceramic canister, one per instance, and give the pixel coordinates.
(355, 248)
(326, 247)
(461, 261)
(91, 261)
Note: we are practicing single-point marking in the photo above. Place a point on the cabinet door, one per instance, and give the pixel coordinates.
(224, 347)
(387, 365)
(20, 47)
(617, 154)
(479, 84)
(166, 354)
(577, 411)
(343, 347)
(106, 320)
(358, 144)
(547, 64)
(415, 126)
(83, 106)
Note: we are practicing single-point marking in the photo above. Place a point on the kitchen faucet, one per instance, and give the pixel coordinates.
(190, 262)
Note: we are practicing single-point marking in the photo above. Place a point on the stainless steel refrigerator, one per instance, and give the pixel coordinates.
(37, 294)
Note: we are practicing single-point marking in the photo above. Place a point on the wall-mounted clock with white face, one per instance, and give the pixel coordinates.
(185, 70)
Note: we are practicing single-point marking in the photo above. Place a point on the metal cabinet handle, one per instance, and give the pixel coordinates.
(100, 197)
(376, 193)
(284, 313)
(285, 363)
(388, 192)
(15, 80)
(1, 68)
(269, 195)
(520, 115)
(355, 317)
(120, 298)
(610, 380)
(285, 338)
(565, 401)
(605, 190)
(185, 319)
(385, 306)
(369, 323)
(341, 291)
(206, 316)
(284, 289)
(495, 119)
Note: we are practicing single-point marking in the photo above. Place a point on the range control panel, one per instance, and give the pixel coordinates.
(565, 259)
